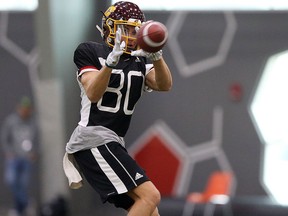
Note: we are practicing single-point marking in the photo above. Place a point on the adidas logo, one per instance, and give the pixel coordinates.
(138, 176)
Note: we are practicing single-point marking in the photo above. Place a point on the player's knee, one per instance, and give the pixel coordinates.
(147, 193)
(154, 197)
(157, 197)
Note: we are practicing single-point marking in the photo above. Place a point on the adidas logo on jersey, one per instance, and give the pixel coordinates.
(138, 176)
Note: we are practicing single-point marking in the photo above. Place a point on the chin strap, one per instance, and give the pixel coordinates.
(100, 30)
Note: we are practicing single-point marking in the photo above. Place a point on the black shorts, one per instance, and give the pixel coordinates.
(112, 172)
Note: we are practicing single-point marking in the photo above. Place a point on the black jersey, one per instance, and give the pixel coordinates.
(127, 82)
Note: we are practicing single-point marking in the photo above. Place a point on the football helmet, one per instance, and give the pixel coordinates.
(124, 15)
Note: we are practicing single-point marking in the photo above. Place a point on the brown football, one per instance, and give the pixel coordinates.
(152, 36)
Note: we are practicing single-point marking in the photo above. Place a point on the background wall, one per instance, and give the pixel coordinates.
(199, 89)
(17, 53)
(209, 54)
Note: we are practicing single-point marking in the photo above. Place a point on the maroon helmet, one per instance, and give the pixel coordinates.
(124, 15)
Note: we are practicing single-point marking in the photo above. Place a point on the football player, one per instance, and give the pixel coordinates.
(112, 77)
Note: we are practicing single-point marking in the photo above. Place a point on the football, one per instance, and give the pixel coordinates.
(152, 36)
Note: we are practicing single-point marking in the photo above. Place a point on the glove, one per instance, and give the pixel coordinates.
(152, 56)
(113, 57)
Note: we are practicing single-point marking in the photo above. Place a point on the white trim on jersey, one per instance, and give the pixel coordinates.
(148, 70)
(85, 110)
(87, 70)
(85, 105)
(111, 175)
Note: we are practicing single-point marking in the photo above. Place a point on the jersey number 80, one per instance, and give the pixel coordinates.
(117, 96)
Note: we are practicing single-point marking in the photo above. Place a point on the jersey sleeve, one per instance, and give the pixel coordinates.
(148, 67)
(86, 58)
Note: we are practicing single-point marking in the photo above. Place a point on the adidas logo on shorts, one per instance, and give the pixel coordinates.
(138, 176)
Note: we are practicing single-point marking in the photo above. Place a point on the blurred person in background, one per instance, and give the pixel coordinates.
(19, 142)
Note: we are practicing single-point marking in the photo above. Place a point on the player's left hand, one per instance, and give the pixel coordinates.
(113, 58)
(152, 56)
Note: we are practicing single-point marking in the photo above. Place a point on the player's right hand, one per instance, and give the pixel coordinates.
(113, 58)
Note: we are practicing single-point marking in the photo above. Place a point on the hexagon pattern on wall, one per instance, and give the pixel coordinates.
(169, 161)
(29, 59)
(174, 24)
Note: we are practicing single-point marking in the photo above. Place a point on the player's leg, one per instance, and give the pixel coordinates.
(156, 212)
(121, 172)
(147, 198)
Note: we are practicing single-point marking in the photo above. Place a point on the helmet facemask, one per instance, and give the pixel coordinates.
(129, 29)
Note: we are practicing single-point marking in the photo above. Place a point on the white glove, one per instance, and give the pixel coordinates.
(113, 58)
(152, 56)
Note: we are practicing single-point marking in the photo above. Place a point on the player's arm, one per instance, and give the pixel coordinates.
(159, 78)
(96, 82)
